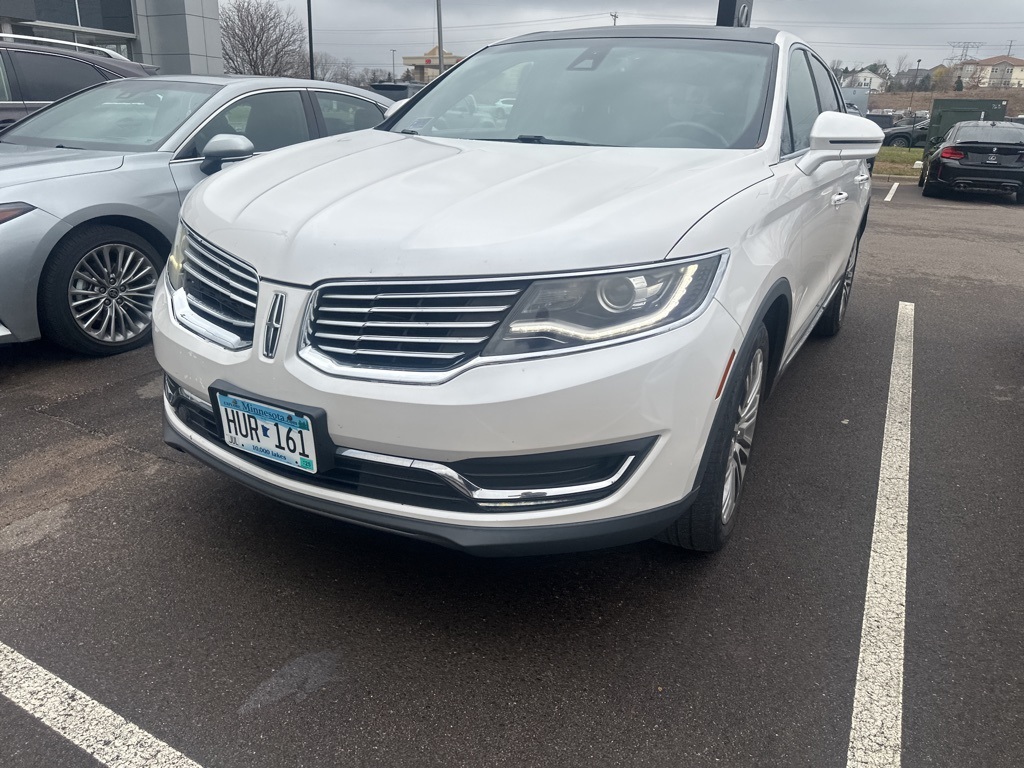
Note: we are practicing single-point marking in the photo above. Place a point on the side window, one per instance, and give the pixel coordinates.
(343, 114)
(46, 77)
(801, 100)
(826, 91)
(5, 88)
(269, 120)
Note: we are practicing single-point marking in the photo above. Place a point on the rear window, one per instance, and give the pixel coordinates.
(991, 134)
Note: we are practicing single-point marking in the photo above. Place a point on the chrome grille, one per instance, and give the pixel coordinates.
(220, 288)
(408, 326)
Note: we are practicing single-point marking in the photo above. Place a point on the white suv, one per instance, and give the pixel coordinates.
(541, 333)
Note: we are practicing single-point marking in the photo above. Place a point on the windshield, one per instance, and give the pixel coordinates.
(123, 115)
(612, 92)
(991, 134)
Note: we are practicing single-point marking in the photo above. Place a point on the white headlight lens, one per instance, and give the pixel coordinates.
(567, 313)
(176, 259)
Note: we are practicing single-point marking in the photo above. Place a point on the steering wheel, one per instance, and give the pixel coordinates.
(671, 130)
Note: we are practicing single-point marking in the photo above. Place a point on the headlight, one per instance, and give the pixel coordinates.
(570, 312)
(176, 259)
(10, 211)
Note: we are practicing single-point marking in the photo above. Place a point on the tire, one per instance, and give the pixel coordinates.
(831, 320)
(1020, 196)
(930, 190)
(900, 142)
(707, 525)
(920, 180)
(110, 273)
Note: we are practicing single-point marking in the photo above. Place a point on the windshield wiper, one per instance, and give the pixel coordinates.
(410, 132)
(63, 146)
(534, 139)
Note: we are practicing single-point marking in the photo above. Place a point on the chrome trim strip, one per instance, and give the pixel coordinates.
(199, 325)
(469, 489)
(50, 41)
(188, 267)
(414, 310)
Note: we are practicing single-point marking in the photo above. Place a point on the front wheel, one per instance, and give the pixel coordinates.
(96, 291)
(900, 142)
(1020, 196)
(708, 524)
(831, 319)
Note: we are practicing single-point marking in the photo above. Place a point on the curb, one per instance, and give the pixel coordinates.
(900, 179)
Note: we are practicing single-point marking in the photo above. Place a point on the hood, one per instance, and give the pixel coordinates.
(20, 164)
(380, 204)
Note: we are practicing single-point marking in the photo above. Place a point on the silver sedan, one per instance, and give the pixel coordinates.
(90, 190)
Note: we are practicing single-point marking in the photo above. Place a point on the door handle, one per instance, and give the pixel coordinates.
(839, 199)
(862, 178)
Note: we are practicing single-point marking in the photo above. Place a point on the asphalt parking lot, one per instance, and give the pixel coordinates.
(243, 633)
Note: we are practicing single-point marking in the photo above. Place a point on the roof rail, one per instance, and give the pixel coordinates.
(51, 41)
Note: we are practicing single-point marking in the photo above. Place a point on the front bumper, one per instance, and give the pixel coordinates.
(25, 244)
(660, 389)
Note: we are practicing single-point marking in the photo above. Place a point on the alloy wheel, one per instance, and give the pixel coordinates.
(742, 437)
(111, 293)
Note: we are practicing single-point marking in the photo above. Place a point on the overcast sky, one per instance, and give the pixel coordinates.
(858, 32)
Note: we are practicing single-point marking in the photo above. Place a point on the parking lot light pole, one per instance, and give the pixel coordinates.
(913, 90)
(309, 28)
(393, 65)
(440, 42)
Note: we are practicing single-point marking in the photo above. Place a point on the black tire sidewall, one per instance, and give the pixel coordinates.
(55, 319)
(707, 532)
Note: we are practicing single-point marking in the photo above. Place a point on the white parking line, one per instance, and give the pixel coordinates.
(876, 728)
(87, 724)
(895, 186)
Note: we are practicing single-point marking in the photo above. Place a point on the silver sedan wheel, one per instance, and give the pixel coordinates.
(111, 293)
(847, 289)
(742, 437)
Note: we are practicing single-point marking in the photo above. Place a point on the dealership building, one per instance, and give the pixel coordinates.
(179, 36)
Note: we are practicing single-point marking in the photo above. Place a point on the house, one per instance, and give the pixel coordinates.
(908, 78)
(994, 72)
(865, 79)
(425, 68)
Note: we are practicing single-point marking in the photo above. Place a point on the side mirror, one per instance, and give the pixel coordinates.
(838, 136)
(394, 108)
(224, 147)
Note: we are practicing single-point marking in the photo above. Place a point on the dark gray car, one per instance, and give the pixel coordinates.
(91, 186)
(33, 75)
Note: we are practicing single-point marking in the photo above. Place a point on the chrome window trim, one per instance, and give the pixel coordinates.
(331, 368)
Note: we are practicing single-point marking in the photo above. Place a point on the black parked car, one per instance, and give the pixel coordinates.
(977, 156)
(906, 135)
(33, 74)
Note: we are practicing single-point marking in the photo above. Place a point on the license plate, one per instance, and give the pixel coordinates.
(268, 432)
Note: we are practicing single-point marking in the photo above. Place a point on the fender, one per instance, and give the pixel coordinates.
(781, 288)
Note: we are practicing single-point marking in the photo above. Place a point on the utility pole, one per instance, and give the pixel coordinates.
(440, 42)
(392, 65)
(1009, 50)
(309, 29)
(615, 18)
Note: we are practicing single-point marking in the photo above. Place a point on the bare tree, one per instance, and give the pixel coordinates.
(258, 38)
(326, 67)
(836, 65)
(901, 63)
